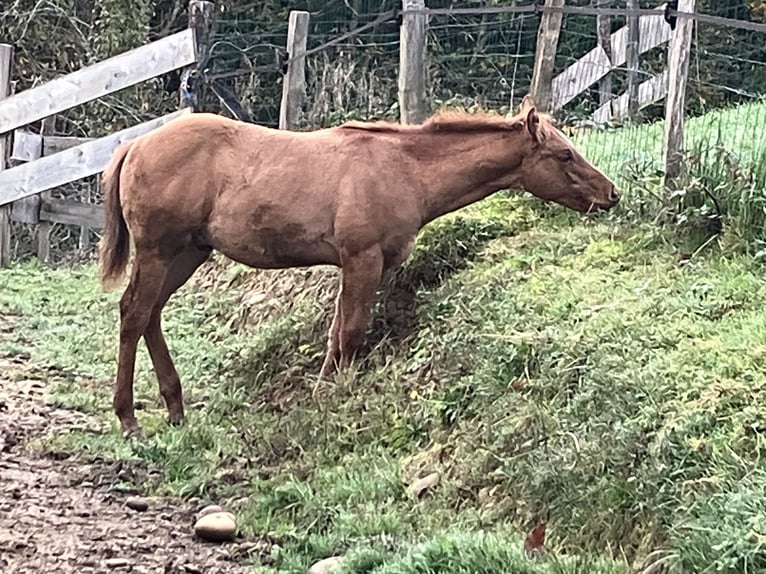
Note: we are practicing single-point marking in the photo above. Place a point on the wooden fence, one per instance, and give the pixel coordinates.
(623, 48)
(653, 31)
(48, 161)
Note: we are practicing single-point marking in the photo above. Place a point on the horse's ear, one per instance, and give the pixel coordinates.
(527, 103)
(533, 124)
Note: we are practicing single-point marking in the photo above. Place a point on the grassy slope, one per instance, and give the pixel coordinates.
(546, 366)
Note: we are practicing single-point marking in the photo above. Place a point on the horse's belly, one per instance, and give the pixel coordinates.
(281, 260)
(276, 249)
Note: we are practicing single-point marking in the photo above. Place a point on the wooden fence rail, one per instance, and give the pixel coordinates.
(6, 60)
(98, 80)
(70, 164)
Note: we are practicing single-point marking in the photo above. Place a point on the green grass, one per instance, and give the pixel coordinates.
(593, 374)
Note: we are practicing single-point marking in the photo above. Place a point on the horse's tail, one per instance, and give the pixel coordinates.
(114, 247)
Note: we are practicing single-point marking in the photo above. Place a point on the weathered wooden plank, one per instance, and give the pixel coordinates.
(294, 81)
(28, 146)
(545, 55)
(413, 105)
(577, 77)
(6, 63)
(27, 209)
(87, 195)
(649, 92)
(72, 213)
(604, 30)
(678, 69)
(97, 80)
(44, 227)
(71, 164)
(202, 21)
(55, 144)
(653, 32)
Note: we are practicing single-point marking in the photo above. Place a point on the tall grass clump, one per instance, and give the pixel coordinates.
(722, 188)
(722, 193)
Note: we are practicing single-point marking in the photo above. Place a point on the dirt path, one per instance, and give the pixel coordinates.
(63, 514)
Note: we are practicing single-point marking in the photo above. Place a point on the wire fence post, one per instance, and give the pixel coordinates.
(294, 80)
(6, 64)
(678, 68)
(632, 52)
(545, 55)
(412, 68)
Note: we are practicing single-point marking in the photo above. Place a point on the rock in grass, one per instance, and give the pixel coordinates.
(325, 566)
(216, 526)
(137, 503)
(209, 509)
(419, 488)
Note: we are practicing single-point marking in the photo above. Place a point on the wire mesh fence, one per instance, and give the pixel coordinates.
(485, 60)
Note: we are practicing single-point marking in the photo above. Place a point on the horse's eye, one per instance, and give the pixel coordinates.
(567, 155)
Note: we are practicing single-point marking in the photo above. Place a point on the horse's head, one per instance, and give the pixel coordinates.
(554, 170)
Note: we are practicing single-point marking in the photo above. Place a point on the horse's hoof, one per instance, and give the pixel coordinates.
(135, 434)
(175, 420)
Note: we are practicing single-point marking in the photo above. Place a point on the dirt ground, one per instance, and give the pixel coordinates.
(65, 514)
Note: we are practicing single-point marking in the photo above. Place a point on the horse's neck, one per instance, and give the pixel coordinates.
(465, 169)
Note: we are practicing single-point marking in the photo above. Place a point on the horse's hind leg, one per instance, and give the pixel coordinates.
(183, 266)
(147, 276)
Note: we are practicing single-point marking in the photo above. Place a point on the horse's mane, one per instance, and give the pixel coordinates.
(446, 121)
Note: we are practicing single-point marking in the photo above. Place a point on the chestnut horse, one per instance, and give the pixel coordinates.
(354, 196)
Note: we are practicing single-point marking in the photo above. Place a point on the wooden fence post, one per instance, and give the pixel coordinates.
(632, 51)
(678, 68)
(413, 108)
(545, 55)
(294, 80)
(6, 65)
(84, 242)
(604, 33)
(48, 127)
(201, 20)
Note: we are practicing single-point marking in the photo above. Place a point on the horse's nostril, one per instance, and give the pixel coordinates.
(614, 196)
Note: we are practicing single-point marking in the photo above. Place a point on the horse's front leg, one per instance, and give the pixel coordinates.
(361, 277)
